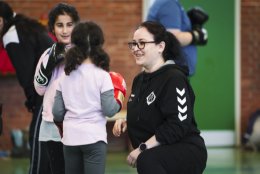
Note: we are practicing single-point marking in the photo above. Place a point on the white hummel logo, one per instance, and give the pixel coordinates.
(182, 117)
(182, 107)
(181, 101)
(181, 92)
(182, 110)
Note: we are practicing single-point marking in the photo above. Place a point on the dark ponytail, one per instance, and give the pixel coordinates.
(172, 49)
(88, 40)
(100, 58)
(73, 58)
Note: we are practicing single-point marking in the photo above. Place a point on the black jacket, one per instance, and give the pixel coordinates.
(161, 104)
(25, 40)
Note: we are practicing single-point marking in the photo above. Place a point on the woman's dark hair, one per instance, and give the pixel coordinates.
(29, 27)
(87, 39)
(62, 9)
(172, 49)
(6, 12)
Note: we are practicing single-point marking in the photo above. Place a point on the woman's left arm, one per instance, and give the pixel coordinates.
(150, 143)
(176, 105)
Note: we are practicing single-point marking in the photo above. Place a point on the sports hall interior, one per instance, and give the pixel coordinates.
(226, 82)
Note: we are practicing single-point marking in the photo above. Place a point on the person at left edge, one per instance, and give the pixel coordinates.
(25, 39)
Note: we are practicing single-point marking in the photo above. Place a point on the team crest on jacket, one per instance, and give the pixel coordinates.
(150, 98)
(182, 105)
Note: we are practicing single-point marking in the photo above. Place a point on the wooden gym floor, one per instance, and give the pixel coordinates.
(220, 160)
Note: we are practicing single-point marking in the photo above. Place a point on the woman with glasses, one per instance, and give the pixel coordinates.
(160, 110)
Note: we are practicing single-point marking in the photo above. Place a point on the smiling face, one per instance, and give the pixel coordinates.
(150, 56)
(63, 27)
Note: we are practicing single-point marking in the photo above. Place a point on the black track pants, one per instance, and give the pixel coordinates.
(55, 156)
(39, 163)
(181, 158)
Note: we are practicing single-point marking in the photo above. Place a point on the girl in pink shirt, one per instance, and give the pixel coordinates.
(84, 97)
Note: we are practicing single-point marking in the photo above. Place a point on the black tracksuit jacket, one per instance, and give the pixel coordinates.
(25, 43)
(161, 104)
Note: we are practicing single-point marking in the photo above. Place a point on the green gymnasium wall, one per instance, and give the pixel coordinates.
(214, 80)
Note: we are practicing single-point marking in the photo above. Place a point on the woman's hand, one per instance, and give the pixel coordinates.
(132, 157)
(120, 126)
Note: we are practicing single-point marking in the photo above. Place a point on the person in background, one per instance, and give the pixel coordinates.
(61, 20)
(84, 97)
(24, 40)
(187, 27)
(160, 111)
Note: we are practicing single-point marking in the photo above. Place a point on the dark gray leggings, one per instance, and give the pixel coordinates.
(85, 159)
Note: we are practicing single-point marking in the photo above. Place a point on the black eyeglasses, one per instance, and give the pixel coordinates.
(140, 44)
